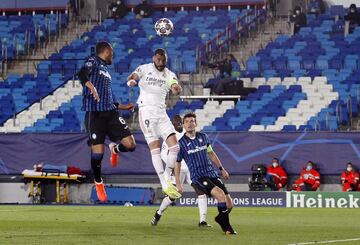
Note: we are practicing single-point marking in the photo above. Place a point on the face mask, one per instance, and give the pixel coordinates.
(297, 12)
(308, 168)
(352, 10)
(275, 164)
(349, 169)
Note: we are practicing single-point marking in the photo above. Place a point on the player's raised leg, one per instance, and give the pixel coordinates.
(127, 144)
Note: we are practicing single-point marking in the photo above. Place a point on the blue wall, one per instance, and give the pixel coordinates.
(237, 150)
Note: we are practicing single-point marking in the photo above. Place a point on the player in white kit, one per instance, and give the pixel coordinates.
(184, 175)
(155, 81)
(168, 173)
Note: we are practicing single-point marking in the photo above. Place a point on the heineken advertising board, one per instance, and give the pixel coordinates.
(323, 200)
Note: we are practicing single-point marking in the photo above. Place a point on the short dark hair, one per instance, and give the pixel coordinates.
(189, 114)
(160, 51)
(101, 47)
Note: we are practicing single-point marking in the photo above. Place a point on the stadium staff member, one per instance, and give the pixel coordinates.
(276, 175)
(143, 10)
(299, 19)
(196, 151)
(354, 17)
(118, 9)
(309, 179)
(101, 118)
(350, 178)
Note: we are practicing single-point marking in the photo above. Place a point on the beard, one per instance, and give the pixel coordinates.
(109, 61)
(159, 68)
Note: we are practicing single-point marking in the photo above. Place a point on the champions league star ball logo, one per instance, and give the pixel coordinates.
(164, 27)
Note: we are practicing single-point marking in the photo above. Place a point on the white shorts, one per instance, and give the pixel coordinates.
(155, 123)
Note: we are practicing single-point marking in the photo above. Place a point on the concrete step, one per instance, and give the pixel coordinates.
(72, 32)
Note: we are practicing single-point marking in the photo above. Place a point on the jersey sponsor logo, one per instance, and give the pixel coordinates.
(105, 74)
(197, 149)
(155, 81)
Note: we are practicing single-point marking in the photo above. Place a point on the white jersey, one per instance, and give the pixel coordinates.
(154, 85)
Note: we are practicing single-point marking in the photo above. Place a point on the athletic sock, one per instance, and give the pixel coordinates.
(159, 167)
(173, 153)
(96, 165)
(166, 202)
(202, 204)
(120, 148)
(223, 214)
(168, 173)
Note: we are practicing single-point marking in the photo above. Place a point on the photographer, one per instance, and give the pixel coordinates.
(276, 176)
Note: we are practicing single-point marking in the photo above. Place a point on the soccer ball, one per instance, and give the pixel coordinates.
(164, 27)
(128, 204)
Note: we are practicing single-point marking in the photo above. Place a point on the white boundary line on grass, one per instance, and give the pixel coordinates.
(322, 242)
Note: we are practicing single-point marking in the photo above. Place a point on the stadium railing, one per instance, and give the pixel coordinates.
(233, 32)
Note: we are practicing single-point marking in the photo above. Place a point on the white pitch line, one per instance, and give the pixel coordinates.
(322, 242)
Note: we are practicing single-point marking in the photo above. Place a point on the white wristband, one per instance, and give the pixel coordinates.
(132, 80)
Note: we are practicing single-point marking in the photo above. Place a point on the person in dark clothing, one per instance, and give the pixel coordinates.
(272, 5)
(299, 19)
(354, 17)
(143, 10)
(118, 9)
(101, 118)
(316, 7)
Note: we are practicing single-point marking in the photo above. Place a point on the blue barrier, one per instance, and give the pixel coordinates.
(122, 195)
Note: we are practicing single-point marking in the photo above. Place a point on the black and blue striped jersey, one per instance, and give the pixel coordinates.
(194, 153)
(96, 71)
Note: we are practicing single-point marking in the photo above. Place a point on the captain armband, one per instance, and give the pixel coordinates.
(172, 82)
(209, 149)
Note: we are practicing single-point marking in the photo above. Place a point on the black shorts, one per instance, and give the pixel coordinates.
(204, 185)
(100, 124)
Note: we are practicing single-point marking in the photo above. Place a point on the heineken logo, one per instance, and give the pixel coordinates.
(324, 200)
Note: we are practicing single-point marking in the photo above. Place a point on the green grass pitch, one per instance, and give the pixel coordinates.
(131, 225)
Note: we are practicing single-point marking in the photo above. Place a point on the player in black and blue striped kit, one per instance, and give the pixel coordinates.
(101, 118)
(196, 151)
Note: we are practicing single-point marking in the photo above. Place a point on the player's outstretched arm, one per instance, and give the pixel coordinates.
(215, 159)
(131, 80)
(177, 177)
(129, 107)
